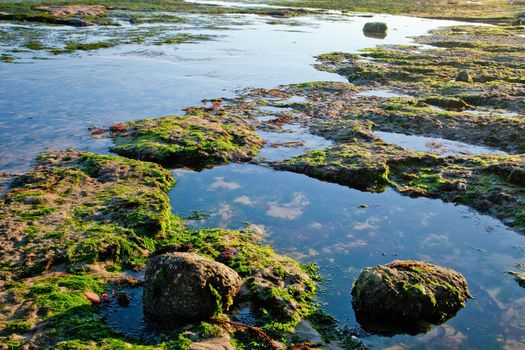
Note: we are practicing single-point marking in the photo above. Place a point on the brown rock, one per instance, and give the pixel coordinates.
(188, 286)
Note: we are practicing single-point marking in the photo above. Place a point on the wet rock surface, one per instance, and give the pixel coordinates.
(218, 343)
(374, 165)
(519, 277)
(464, 76)
(91, 215)
(430, 104)
(407, 295)
(187, 286)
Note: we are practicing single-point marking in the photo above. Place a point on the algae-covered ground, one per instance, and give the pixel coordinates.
(73, 226)
(482, 11)
(199, 139)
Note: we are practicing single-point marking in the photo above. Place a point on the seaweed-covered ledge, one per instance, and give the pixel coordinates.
(492, 184)
(196, 140)
(75, 228)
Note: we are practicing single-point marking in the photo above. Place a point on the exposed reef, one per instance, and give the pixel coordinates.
(410, 91)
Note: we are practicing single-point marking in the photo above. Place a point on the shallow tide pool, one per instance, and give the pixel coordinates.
(345, 230)
(436, 145)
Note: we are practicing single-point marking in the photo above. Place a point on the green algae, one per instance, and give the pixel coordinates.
(181, 39)
(116, 219)
(406, 296)
(193, 140)
(495, 62)
(6, 58)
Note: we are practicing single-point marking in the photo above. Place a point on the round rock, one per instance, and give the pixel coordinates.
(375, 27)
(188, 286)
(407, 295)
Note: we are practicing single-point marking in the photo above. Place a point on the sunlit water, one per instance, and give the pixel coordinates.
(436, 145)
(51, 103)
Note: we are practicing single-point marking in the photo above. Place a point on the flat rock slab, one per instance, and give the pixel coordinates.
(219, 343)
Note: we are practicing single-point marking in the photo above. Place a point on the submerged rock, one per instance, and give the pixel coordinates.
(77, 22)
(188, 286)
(407, 296)
(375, 28)
(519, 277)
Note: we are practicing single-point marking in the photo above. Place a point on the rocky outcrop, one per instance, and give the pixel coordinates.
(188, 286)
(407, 295)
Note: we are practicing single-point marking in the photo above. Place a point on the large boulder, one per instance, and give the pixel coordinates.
(375, 30)
(407, 296)
(187, 286)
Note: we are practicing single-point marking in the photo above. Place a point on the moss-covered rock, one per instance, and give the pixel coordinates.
(193, 140)
(493, 57)
(280, 291)
(464, 76)
(407, 295)
(375, 28)
(187, 286)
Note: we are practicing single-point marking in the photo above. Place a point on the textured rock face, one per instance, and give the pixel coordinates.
(219, 343)
(192, 140)
(188, 286)
(407, 294)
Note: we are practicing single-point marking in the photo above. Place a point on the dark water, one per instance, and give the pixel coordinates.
(321, 222)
